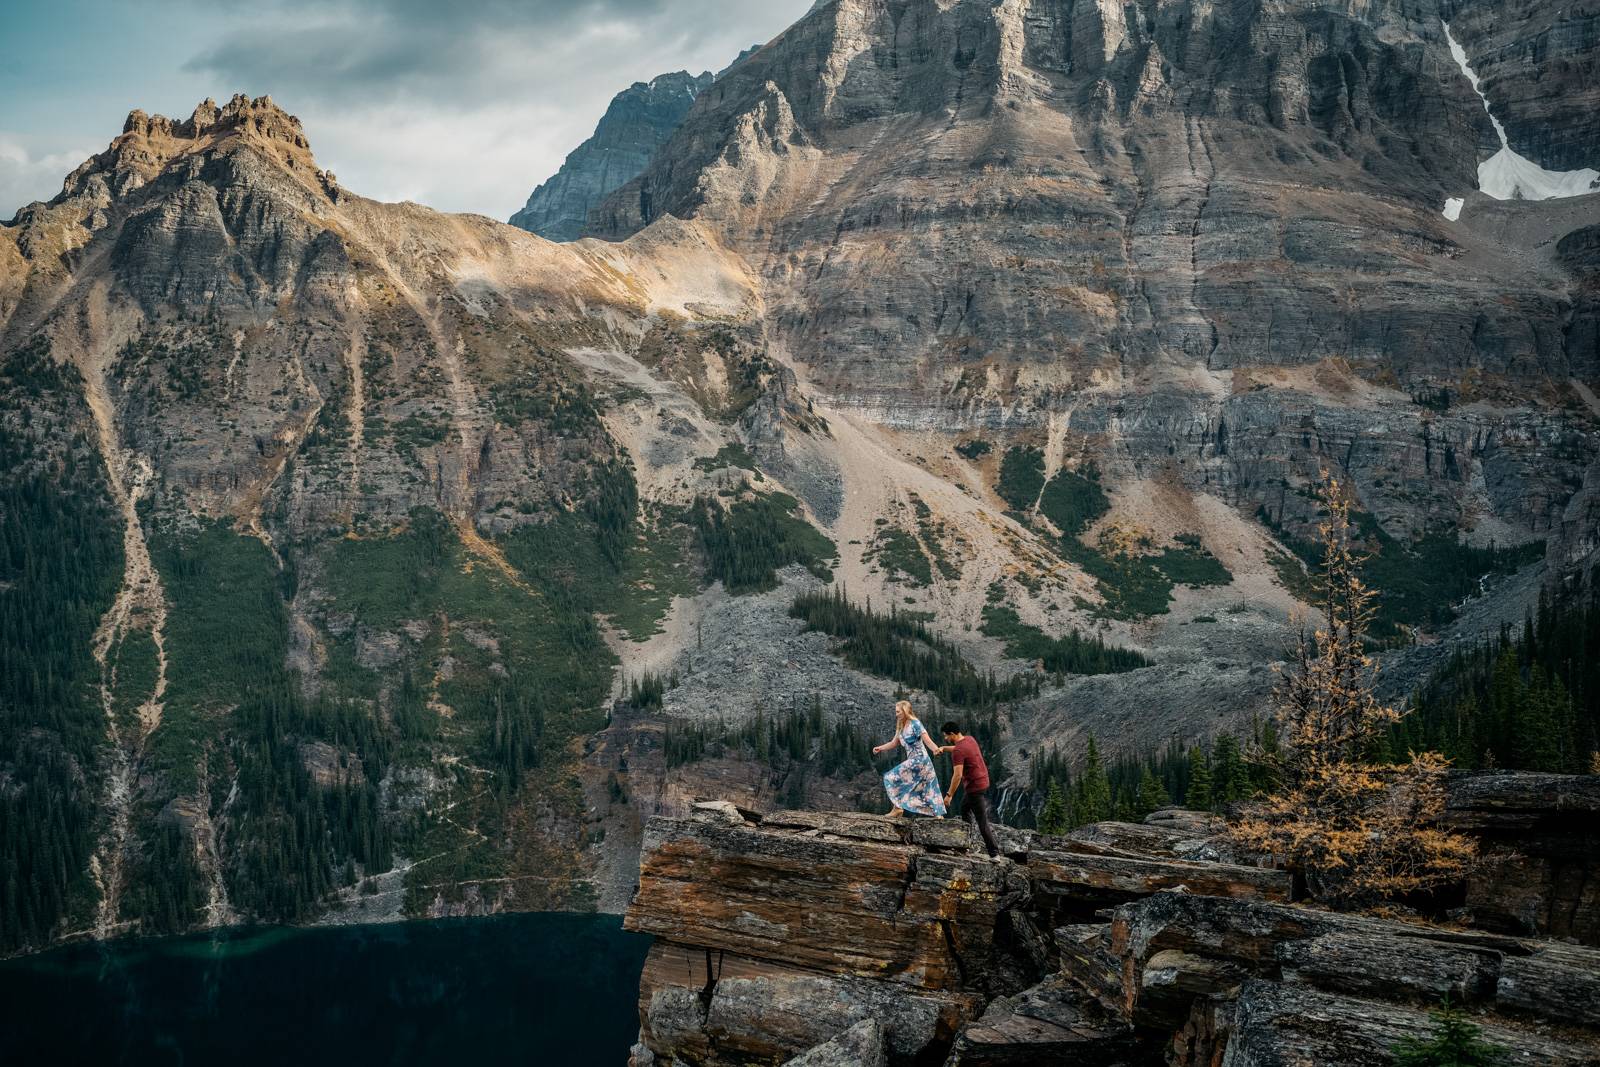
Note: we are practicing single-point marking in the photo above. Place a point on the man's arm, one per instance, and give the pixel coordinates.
(955, 780)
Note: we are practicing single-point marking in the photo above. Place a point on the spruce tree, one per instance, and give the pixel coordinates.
(1534, 743)
(1053, 817)
(1456, 1042)
(1230, 776)
(1093, 800)
(1199, 798)
(1152, 794)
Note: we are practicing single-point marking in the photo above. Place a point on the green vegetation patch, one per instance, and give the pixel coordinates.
(1190, 564)
(1021, 477)
(1420, 582)
(634, 594)
(1528, 699)
(226, 636)
(61, 564)
(1137, 586)
(234, 707)
(747, 541)
(899, 555)
(1073, 654)
(1074, 501)
(903, 649)
(137, 669)
(733, 455)
(974, 449)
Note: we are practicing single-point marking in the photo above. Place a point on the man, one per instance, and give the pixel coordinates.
(970, 769)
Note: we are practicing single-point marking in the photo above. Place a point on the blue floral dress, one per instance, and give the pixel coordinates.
(914, 784)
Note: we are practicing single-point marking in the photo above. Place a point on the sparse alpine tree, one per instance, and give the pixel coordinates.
(1360, 831)
(1198, 797)
(1152, 794)
(1093, 801)
(1456, 1042)
(1053, 817)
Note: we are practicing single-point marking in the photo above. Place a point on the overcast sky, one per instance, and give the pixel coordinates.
(463, 105)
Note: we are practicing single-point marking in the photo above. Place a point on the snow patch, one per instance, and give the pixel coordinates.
(1507, 175)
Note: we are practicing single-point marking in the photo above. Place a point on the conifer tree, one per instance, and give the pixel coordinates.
(1230, 777)
(1053, 817)
(1456, 1042)
(1093, 800)
(1198, 797)
(1152, 794)
(1360, 832)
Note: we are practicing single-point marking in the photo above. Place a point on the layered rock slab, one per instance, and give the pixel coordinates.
(1539, 865)
(853, 907)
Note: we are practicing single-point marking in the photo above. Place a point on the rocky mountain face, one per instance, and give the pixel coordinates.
(1196, 247)
(1173, 238)
(308, 520)
(1542, 65)
(637, 122)
(460, 553)
(794, 936)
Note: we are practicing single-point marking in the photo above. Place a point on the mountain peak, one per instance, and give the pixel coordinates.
(259, 117)
(152, 144)
(638, 120)
(149, 143)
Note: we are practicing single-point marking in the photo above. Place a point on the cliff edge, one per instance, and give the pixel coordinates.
(820, 938)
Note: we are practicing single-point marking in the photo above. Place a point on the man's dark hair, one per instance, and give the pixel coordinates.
(951, 728)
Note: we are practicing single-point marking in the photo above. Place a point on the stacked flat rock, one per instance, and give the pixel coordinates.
(827, 938)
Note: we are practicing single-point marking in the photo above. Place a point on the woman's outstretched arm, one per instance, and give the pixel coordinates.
(927, 739)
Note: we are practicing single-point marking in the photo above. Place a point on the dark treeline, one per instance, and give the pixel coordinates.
(612, 507)
(832, 749)
(60, 566)
(748, 541)
(1207, 777)
(1072, 654)
(1419, 581)
(796, 746)
(902, 648)
(1526, 700)
(288, 836)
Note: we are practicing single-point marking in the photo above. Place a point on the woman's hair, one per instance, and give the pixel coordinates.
(903, 712)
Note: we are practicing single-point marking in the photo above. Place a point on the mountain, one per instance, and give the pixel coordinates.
(1199, 248)
(365, 561)
(307, 517)
(636, 123)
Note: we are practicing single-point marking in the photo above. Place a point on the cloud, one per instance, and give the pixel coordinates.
(25, 177)
(467, 106)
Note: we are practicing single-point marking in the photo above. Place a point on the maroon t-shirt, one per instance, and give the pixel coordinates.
(974, 772)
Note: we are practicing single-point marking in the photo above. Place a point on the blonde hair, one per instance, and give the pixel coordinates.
(902, 715)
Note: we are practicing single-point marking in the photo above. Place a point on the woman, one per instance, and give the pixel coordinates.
(913, 785)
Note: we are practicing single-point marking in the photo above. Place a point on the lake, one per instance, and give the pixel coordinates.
(550, 990)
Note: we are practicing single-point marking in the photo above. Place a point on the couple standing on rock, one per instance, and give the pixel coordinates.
(914, 785)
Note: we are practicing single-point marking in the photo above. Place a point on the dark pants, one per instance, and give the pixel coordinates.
(976, 807)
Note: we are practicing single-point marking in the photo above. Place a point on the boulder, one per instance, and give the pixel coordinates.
(1086, 881)
(711, 1009)
(1054, 1022)
(860, 1046)
(1275, 1025)
(807, 898)
(1539, 864)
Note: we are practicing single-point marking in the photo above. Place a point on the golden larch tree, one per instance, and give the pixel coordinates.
(1361, 831)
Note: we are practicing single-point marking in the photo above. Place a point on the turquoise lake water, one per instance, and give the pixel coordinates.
(519, 989)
